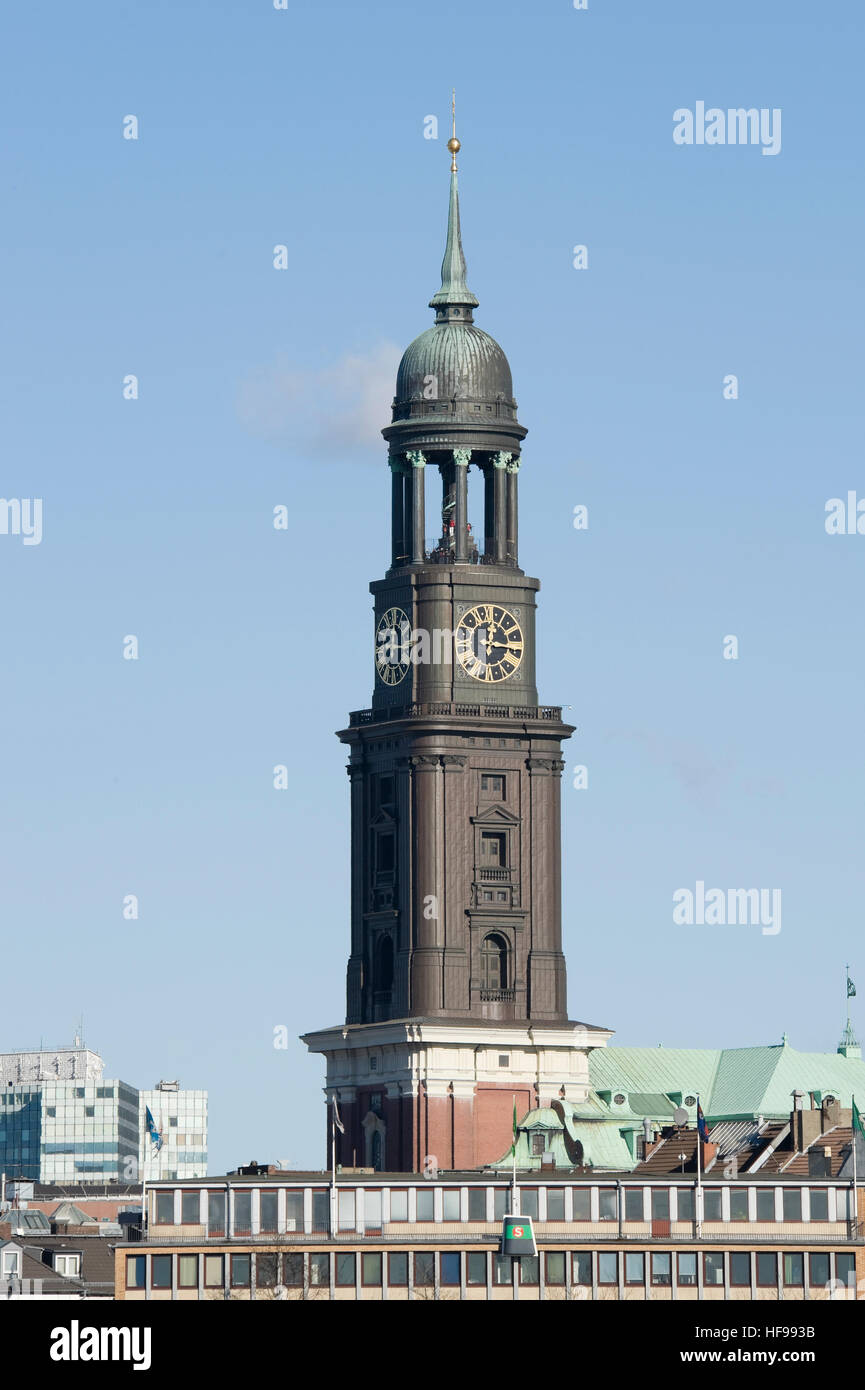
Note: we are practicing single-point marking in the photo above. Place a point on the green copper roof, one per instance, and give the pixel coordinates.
(732, 1083)
(606, 1143)
(454, 289)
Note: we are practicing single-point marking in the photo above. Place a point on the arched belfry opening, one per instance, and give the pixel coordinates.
(494, 964)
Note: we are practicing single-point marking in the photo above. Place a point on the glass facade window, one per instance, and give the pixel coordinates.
(845, 1267)
(136, 1269)
(555, 1267)
(345, 1270)
(187, 1271)
(686, 1269)
(268, 1209)
(501, 1198)
(242, 1213)
(740, 1269)
(321, 1211)
(294, 1210)
(660, 1204)
(164, 1215)
(818, 1270)
(767, 1269)
(502, 1270)
(529, 1202)
(451, 1204)
(372, 1209)
(738, 1204)
(216, 1213)
(581, 1271)
(608, 1267)
(555, 1204)
(685, 1203)
(425, 1204)
(530, 1270)
(633, 1204)
(711, 1204)
(397, 1269)
(160, 1271)
(765, 1204)
(607, 1204)
(713, 1267)
(370, 1269)
(190, 1208)
(476, 1268)
(819, 1204)
(634, 1267)
(319, 1270)
(214, 1270)
(345, 1209)
(662, 1263)
(792, 1204)
(477, 1204)
(794, 1269)
(424, 1269)
(398, 1205)
(266, 1270)
(292, 1270)
(449, 1268)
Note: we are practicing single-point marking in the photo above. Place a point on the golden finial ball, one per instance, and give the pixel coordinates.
(454, 145)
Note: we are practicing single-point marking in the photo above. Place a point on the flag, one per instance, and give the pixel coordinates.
(337, 1121)
(514, 1144)
(851, 988)
(702, 1127)
(857, 1120)
(155, 1136)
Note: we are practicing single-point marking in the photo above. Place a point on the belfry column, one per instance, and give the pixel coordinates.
(397, 492)
(461, 469)
(417, 462)
(512, 539)
(500, 463)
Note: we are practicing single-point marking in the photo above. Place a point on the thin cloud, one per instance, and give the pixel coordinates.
(322, 411)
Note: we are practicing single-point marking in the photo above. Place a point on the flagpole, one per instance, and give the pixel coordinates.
(699, 1212)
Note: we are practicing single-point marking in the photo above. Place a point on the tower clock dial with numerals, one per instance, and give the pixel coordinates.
(392, 636)
(489, 643)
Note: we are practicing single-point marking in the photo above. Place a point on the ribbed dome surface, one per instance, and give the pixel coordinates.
(465, 362)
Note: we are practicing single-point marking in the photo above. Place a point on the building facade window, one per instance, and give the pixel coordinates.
(554, 1271)
(792, 1204)
(765, 1204)
(398, 1204)
(160, 1271)
(370, 1269)
(190, 1208)
(530, 1270)
(266, 1270)
(582, 1200)
(607, 1205)
(476, 1268)
(555, 1204)
(187, 1271)
(818, 1270)
(740, 1269)
(794, 1269)
(686, 1269)
(767, 1269)
(424, 1269)
(214, 1270)
(164, 1209)
(136, 1271)
(819, 1203)
(582, 1268)
(345, 1270)
(319, 1270)
(635, 1267)
(397, 1269)
(608, 1267)
(662, 1275)
(633, 1204)
(292, 1270)
(268, 1206)
(449, 1268)
(713, 1267)
(477, 1204)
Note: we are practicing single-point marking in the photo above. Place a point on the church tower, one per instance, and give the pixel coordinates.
(456, 990)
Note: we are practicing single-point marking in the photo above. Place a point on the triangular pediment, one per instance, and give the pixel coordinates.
(381, 818)
(496, 815)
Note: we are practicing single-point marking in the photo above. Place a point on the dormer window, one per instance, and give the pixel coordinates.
(10, 1264)
(68, 1265)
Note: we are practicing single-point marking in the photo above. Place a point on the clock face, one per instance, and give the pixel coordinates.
(489, 643)
(392, 637)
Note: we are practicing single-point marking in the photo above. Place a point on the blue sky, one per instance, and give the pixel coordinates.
(258, 387)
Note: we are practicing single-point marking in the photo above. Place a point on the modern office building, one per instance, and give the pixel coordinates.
(181, 1120)
(61, 1121)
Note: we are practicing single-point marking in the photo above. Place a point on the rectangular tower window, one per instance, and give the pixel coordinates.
(385, 853)
(492, 849)
(493, 786)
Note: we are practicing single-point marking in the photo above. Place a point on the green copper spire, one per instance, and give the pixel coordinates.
(454, 293)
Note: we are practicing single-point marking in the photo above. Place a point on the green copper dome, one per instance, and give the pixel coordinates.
(454, 365)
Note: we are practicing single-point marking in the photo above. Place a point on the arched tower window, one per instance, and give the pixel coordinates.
(494, 962)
